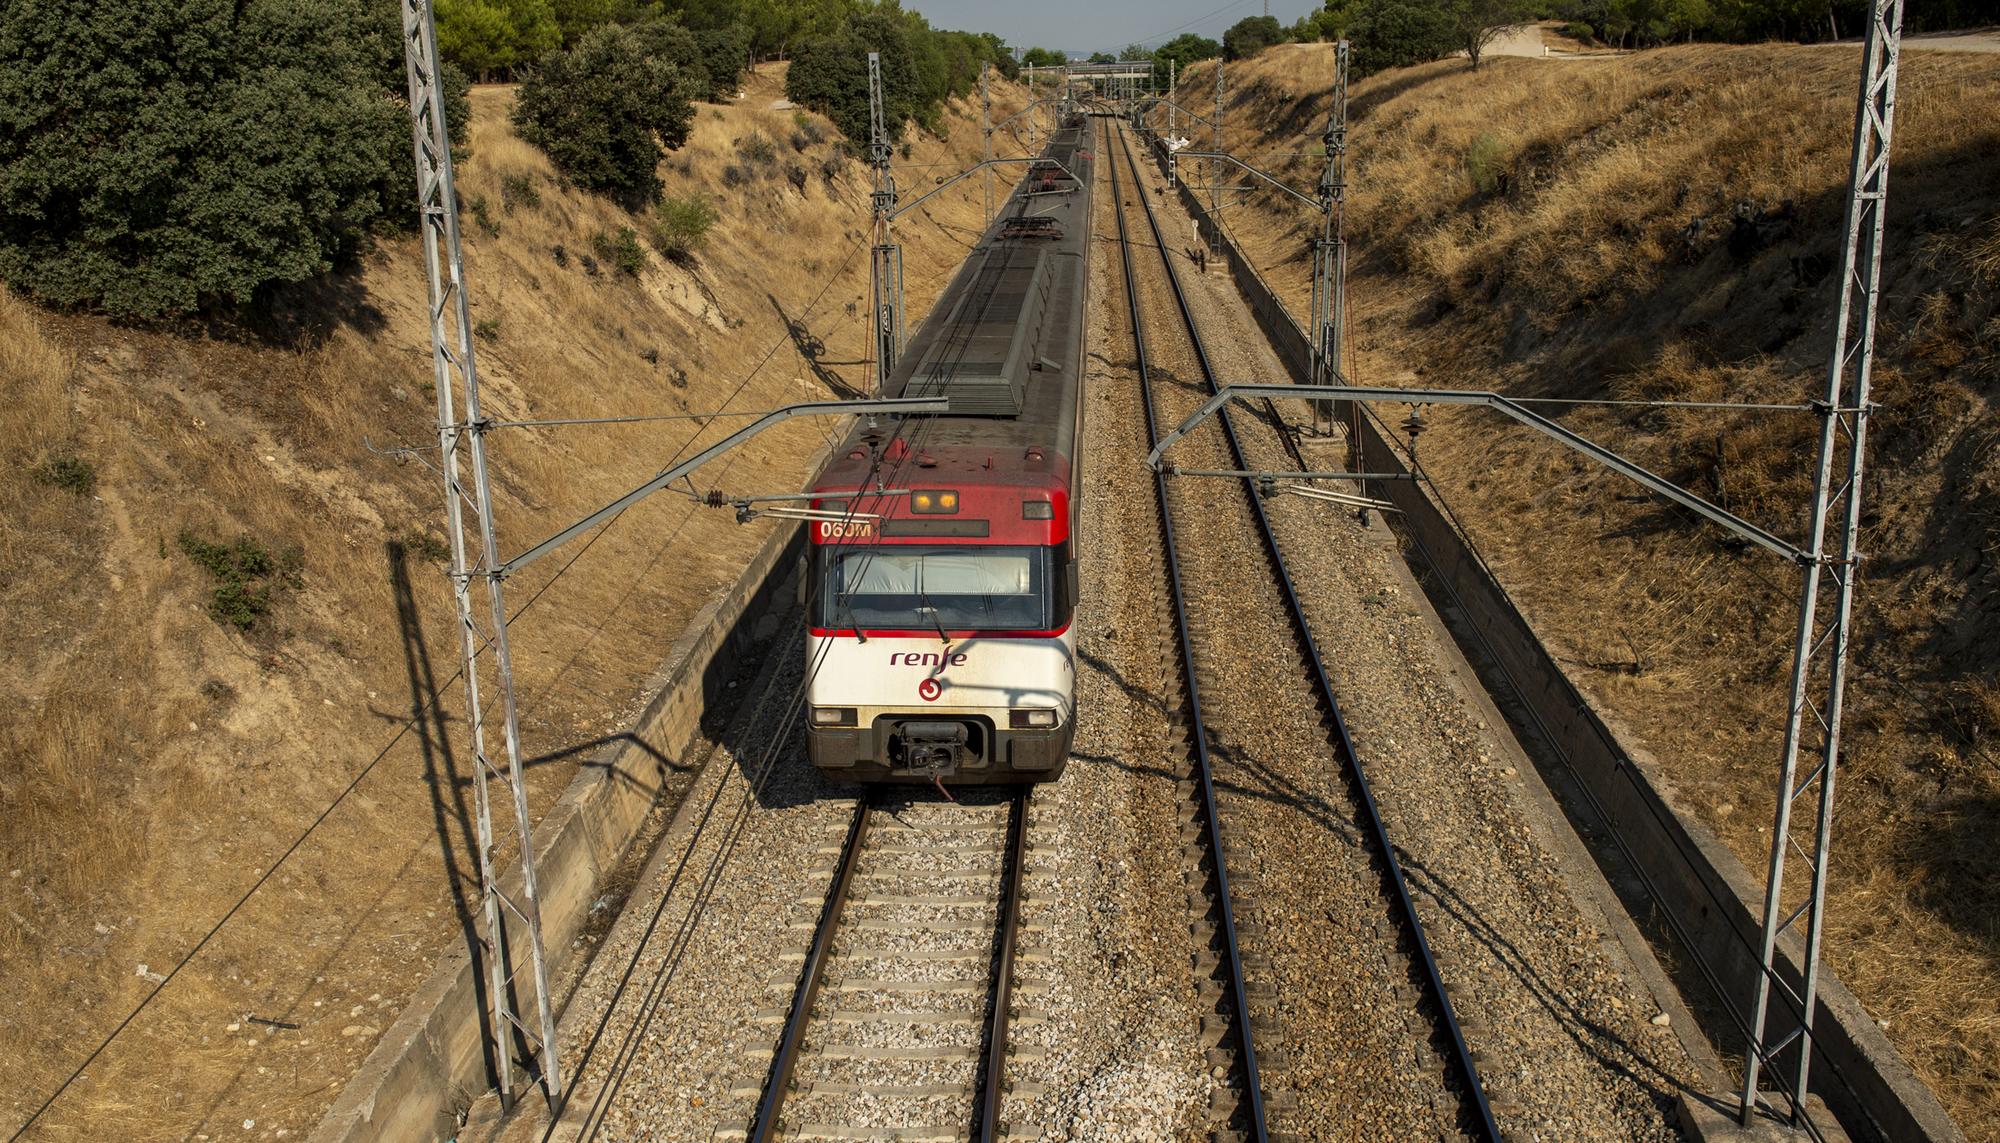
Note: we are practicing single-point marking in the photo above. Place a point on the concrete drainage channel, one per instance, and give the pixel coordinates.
(1673, 868)
(431, 1066)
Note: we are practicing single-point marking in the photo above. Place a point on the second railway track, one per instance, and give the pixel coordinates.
(1314, 934)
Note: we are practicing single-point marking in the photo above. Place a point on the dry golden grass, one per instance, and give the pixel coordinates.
(1564, 229)
(155, 762)
(38, 373)
(54, 781)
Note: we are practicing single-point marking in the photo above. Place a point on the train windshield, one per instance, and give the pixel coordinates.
(958, 588)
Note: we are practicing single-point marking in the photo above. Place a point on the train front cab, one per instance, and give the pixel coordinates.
(942, 657)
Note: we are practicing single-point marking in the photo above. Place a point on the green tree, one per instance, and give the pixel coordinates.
(921, 67)
(575, 17)
(994, 51)
(669, 41)
(156, 159)
(1475, 23)
(493, 37)
(1043, 57)
(1102, 58)
(711, 61)
(778, 27)
(1398, 33)
(603, 110)
(1329, 22)
(1250, 35)
(725, 56)
(1181, 51)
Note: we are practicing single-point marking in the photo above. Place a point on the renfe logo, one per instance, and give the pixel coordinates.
(929, 689)
(927, 659)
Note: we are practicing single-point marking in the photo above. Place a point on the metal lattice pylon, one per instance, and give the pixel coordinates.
(461, 443)
(1215, 186)
(1329, 283)
(986, 135)
(885, 272)
(1820, 655)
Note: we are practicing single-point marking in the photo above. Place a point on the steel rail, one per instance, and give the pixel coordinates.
(993, 1090)
(1474, 1093)
(779, 1083)
(1232, 956)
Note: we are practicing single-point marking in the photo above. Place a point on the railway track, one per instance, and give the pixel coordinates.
(898, 1027)
(1373, 1036)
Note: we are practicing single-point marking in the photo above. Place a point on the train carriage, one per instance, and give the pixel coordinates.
(941, 602)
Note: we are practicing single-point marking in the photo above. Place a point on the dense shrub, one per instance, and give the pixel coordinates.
(1486, 163)
(621, 249)
(518, 187)
(670, 42)
(679, 225)
(830, 75)
(69, 473)
(245, 574)
(604, 109)
(712, 61)
(157, 158)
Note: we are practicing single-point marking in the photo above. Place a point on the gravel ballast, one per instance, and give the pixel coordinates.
(669, 1033)
(1565, 1031)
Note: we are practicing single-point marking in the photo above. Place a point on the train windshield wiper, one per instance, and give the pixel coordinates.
(936, 623)
(841, 607)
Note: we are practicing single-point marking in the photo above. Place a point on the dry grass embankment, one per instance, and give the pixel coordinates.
(1667, 226)
(157, 759)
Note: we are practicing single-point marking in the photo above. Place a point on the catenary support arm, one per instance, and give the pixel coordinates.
(1498, 403)
(808, 409)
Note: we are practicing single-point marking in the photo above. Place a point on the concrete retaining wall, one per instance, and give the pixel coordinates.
(432, 1063)
(1705, 895)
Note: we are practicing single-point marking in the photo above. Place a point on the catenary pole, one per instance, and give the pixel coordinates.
(885, 275)
(1215, 185)
(1819, 661)
(1329, 287)
(462, 431)
(986, 135)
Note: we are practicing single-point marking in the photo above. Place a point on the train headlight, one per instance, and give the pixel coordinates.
(833, 716)
(934, 501)
(1037, 510)
(1032, 719)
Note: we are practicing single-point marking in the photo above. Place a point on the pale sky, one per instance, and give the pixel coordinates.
(1102, 25)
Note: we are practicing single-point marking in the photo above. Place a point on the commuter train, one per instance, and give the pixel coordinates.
(942, 575)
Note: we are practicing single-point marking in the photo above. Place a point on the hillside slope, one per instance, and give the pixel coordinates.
(160, 759)
(1666, 225)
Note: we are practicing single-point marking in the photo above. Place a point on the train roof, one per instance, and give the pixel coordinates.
(1003, 342)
